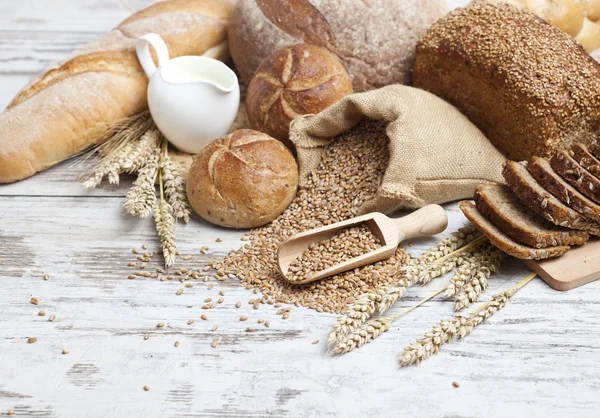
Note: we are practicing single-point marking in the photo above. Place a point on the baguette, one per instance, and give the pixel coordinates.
(60, 113)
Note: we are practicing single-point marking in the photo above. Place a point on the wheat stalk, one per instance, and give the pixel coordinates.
(363, 334)
(165, 225)
(141, 197)
(459, 326)
(174, 187)
(440, 259)
(141, 151)
(119, 143)
(486, 262)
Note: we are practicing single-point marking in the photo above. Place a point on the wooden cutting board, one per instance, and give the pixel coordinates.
(577, 267)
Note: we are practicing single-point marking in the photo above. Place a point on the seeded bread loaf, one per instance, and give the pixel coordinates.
(550, 180)
(503, 241)
(530, 87)
(584, 157)
(501, 206)
(575, 174)
(542, 202)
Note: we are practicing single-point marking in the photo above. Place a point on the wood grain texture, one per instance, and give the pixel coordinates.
(537, 357)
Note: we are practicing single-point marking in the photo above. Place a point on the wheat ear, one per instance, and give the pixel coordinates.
(486, 263)
(165, 224)
(459, 326)
(441, 258)
(141, 197)
(174, 186)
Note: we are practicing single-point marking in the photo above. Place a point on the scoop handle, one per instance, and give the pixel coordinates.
(429, 220)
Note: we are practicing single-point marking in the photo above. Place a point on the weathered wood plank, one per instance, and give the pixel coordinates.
(526, 353)
(537, 357)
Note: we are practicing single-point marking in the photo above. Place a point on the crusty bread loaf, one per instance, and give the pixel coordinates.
(526, 84)
(243, 180)
(59, 113)
(503, 241)
(299, 80)
(374, 39)
(501, 206)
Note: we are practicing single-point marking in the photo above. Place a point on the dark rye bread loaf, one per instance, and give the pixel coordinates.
(542, 202)
(531, 88)
(575, 174)
(584, 157)
(501, 206)
(543, 172)
(503, 241)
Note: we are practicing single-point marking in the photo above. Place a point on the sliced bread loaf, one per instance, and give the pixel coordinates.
(503, 241)
(501, 206)
(559, 187)
(575, 174)
(542, 202)
(584, 157)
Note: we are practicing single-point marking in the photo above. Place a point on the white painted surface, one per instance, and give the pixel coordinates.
(538, 357)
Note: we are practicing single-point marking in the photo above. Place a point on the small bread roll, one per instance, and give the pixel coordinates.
(589, 37)
(592, 9)
(242, 180)
(295, 81)
(567, 15)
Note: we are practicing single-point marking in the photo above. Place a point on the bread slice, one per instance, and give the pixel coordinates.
(584, 157)
(503, 241)
(501, 206)
(595, 148)
(575, 174)
(559, 187)
(542, 202)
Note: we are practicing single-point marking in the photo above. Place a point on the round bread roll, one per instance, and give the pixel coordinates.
(531, 88)
(579, 18)
(299, 80)
(375, 39)
(242, 180)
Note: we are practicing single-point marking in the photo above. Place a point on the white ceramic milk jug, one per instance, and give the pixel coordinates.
(193, 100)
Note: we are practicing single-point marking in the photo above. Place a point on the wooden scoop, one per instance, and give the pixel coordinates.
(429, 220)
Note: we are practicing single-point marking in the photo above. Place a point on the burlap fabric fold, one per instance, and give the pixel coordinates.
(436, 154)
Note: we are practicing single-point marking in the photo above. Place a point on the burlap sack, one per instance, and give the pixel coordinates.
(436, 154)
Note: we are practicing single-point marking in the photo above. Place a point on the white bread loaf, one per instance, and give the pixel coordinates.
(60, 112)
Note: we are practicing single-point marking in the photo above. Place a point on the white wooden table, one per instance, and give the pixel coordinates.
(540, 356)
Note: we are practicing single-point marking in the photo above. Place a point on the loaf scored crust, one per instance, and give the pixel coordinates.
(526, 84)
(503, 241)
(538, 199)
(575, 174)
(374, 39)
(501, 206)
(541, 169)
(59, 113)
(584, 157)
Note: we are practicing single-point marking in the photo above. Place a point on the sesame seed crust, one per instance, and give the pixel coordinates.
(531, 88)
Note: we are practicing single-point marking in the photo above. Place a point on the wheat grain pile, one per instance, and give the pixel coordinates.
(345, 245)
(348, 175)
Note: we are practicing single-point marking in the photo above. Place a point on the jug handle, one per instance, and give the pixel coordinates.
(143, 52)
